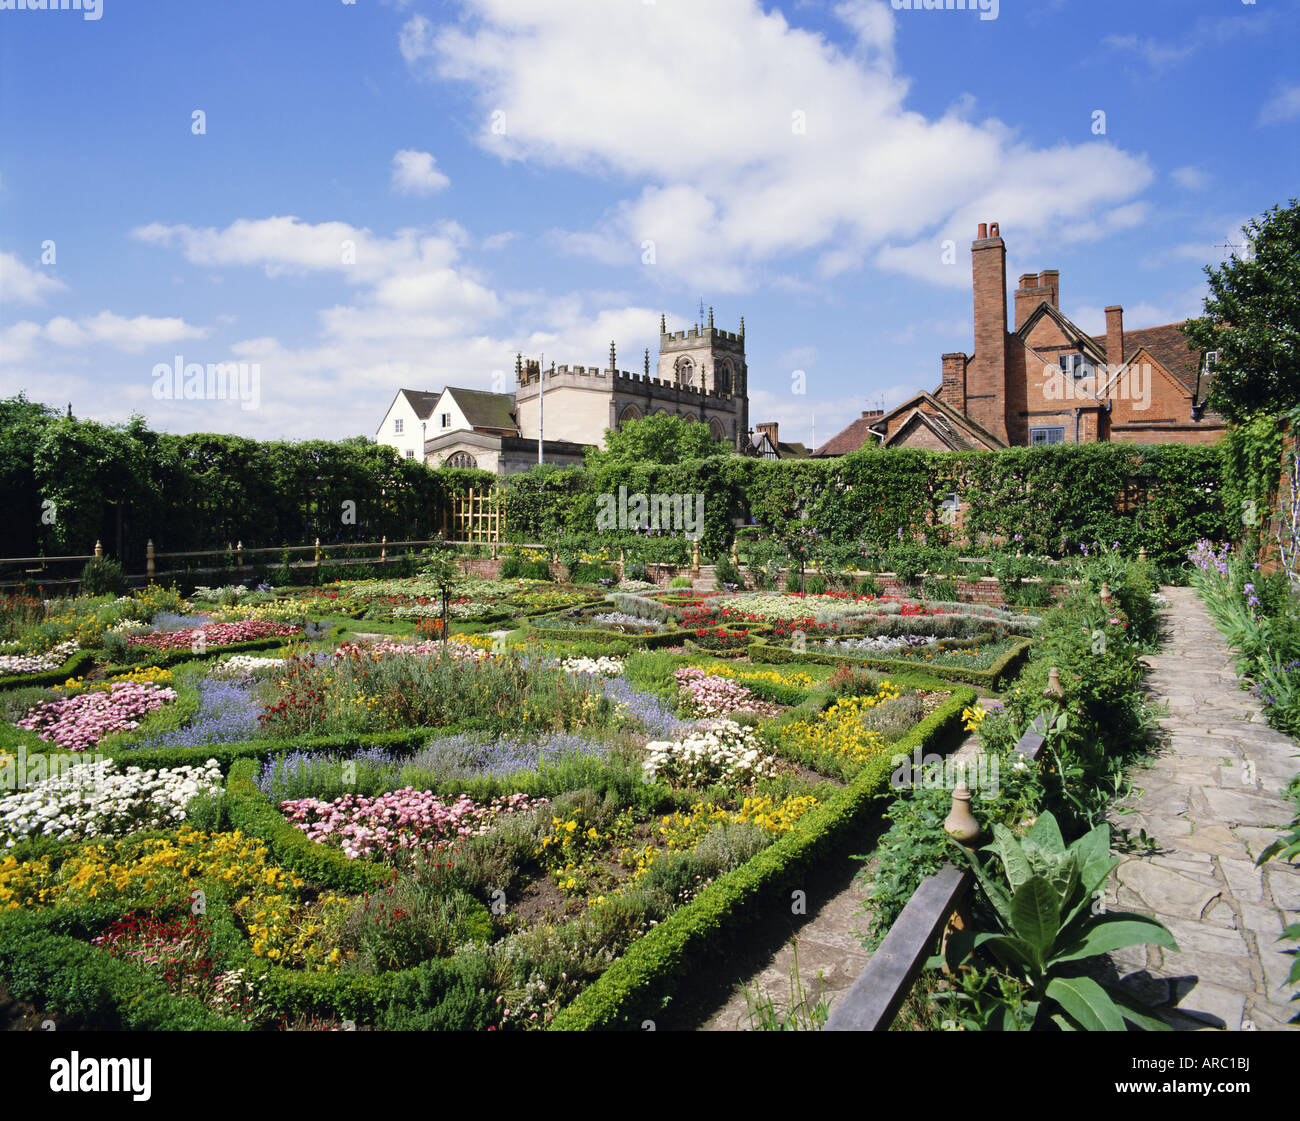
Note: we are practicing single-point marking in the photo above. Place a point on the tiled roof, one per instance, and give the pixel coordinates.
(485, 410)
(421, 401)
(1168, 345)
(850, 440)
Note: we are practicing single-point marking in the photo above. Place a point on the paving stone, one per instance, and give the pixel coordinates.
(1160, 888)
(1247, 808)
(1283, 885)
(1245, 881)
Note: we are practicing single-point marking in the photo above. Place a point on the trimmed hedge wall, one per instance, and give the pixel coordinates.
(641, 982)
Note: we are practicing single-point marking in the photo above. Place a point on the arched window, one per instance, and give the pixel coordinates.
(685, 371)
(716, 428)
(722, 379)
(630, 412)
(461, 459)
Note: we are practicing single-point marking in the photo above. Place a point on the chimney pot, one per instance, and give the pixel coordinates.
(993, 229)
(983, 230)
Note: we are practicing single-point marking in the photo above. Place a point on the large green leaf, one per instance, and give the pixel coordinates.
(1095, 861)
(1045, 834)
(1086, 1003)
(994, 891)
(1137, 1014)
(1115, 932)
(1008, 950)
(1014, 860)
(1036, 915)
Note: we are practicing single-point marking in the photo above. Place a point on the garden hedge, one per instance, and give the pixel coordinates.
(641, 982)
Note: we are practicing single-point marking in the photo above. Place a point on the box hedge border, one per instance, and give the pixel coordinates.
(641, 982)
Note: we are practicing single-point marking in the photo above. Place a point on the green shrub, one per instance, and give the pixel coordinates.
(103, 576)
(520, 568)
(680, 582)
(816, 585)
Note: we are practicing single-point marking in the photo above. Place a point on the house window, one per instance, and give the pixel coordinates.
(397, 426)
(1046, 436)
(446, 420)
(461, 459)
(1076, 366)
(410, 453)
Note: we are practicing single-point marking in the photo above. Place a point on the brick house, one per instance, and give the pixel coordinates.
(1043, 380)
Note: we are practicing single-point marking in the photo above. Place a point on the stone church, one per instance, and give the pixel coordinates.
(701, 374)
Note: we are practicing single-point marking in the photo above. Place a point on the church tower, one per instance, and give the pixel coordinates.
(707, 360)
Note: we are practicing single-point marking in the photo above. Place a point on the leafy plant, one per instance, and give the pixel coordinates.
(103, 576)
(1045, 904)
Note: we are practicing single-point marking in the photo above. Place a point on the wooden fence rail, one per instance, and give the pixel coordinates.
(873, 1000)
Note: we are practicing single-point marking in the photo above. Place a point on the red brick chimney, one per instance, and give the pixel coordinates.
(872, 414)
(986, 375)
(954, 381)
(1027, 298)
(1115, 335)
(1050, 280)
(770, 429)
(1034, 289)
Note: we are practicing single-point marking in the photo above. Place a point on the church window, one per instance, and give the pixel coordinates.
(685, 371)
(461, 459)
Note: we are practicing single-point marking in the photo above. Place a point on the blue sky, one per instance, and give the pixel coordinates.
(499, 167)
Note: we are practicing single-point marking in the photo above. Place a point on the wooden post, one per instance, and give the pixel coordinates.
(149, 558)
(99, 549)
(622, 562)
(318, 552)
(695, 556)
(383, 549)
(239, 557)
(735, 554)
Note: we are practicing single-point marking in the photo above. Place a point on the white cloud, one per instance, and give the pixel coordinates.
(783, 143)
(22, 285)
(129, 335)
(414, 173)
(1282, 107)
(1190, 178)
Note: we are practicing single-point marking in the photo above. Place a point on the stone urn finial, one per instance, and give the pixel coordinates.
(1054, 692)
(960, 824)
(1105, 592)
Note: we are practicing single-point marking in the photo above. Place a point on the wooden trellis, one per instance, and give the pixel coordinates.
(476, 516)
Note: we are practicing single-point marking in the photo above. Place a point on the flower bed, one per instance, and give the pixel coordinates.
(80, 722)
(101, 800)
(212, 635)
(721, 750)
(38, 663)
(404, 821)
(701, 693)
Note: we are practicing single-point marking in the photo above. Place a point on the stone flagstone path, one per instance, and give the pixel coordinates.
(1211, 801)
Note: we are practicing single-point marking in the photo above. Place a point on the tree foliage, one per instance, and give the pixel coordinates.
(1252, 318)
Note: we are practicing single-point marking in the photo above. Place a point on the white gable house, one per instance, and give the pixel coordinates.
(406, 424)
